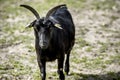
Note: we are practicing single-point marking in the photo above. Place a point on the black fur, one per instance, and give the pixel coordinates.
(61, 40)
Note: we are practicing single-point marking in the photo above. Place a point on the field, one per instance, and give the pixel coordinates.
(96, 53)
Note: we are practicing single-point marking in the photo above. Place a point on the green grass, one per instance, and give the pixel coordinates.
(82, 43)
(106, 4)
(89, 49)
(36, 75)
(14, 67)
(103, 48)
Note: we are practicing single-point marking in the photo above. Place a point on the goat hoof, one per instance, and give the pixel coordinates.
(66, 71)
(62, 77)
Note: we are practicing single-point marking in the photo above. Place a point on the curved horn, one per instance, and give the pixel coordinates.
(32, 10)
(54, 9)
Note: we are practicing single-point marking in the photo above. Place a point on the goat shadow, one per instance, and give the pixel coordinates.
(108, 76)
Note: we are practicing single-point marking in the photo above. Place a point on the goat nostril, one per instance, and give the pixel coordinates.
(43, 43)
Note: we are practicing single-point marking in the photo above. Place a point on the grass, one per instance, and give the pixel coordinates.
(14, 67)
(36, 75)
(23, 62)
(103, 48)
(106, 4)
(82, 42)
(89, 49)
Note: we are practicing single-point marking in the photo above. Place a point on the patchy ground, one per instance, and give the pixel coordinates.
(95, 56)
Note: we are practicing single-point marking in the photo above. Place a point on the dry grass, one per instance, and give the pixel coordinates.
(95, 56)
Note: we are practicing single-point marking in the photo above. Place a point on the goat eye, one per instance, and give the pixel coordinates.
(48, 26)
(38, 28)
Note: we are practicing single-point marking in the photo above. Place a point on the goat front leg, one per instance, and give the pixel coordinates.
(60, 68)
(42, 66)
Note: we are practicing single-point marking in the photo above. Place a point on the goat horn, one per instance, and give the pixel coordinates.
(54, 9)
(32, 10)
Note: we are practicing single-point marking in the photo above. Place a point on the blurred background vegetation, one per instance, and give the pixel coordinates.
(95, 56)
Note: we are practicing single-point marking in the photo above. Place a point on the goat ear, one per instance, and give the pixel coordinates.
(31, 24)
(55, 22)
(58, 26)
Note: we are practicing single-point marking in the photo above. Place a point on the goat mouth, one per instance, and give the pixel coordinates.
(43, 46)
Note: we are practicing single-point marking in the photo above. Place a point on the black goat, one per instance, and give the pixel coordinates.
(54, 36)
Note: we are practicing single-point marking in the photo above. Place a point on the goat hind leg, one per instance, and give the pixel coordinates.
(67, 65)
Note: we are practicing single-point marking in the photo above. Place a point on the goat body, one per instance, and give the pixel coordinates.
(61, 40)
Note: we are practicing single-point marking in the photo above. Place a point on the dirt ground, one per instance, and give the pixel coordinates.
(96, 53)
